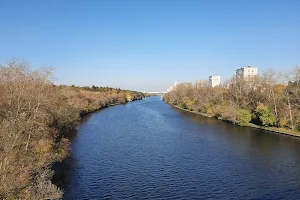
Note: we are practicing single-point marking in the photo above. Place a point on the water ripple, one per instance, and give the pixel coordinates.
(148, 150)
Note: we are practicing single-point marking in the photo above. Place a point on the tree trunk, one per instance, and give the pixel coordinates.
(290, 109)
(275, 107)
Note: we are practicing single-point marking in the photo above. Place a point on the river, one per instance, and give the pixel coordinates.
(149, 150)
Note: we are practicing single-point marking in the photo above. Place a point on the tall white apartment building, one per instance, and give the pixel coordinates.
(214, 80)
(246, 72)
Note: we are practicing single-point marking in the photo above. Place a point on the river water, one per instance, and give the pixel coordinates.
(148, 150)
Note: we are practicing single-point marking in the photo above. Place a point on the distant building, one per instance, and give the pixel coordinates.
(229, 86)
(214, 80)
(199, 83)
(170, 88)
(186, 84)
(246, 72)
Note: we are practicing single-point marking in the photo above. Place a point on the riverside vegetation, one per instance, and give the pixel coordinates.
(262, 101)
(34, 117)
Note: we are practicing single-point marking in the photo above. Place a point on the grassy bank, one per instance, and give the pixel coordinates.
(269, 129)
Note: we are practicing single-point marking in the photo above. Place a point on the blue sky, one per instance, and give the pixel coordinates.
(147, 45)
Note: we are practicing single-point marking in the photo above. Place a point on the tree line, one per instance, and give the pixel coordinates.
(35, 115)
(271, 99)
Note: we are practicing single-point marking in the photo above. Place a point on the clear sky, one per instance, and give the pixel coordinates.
(147, 45)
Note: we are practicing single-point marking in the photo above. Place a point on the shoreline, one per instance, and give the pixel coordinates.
(58, 177)
(82, 114)
(269, 129)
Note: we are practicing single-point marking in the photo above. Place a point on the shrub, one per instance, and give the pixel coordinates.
(298, 127)
(218, 110)
(243, 117)
(230, 113)
(265, 115)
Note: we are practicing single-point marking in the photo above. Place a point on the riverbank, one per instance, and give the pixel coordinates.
(221, 149)
(269, 129)
(82, 114)
(37, 118)
(59, 168)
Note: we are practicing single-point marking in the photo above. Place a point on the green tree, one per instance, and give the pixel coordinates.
(265, 115)
(243, 117)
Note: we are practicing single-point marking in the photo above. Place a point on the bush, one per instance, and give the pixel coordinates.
(298, 127)
(243, 117)
(230, 114)
(265, 115)
(218, 110)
